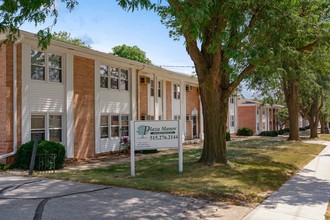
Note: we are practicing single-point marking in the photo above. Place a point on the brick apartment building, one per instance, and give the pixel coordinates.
(85, 99)
(257, 116)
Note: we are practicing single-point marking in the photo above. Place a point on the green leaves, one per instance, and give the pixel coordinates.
(132, 53)
(13, 13)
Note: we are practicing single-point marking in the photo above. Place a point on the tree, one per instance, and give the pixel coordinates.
(287, 65)
(131, 53)
(14, 13)
(226, 40)
(282, 117)
(311, 97)
(66, 37)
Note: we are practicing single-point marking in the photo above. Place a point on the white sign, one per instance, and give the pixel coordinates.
(156, 134)
(147, 135)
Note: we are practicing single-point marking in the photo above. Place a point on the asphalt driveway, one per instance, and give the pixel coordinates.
(39, 198)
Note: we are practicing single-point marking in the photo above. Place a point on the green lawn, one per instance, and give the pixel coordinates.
(325, 137)
(258, 167)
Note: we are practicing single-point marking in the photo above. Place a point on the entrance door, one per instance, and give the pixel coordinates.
(194, 126)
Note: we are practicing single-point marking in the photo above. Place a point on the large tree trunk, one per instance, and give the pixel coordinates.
(215, 109)
(313, 126)
(290, 89)
(323, 123)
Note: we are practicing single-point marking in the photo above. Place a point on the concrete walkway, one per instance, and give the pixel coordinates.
(305, 196)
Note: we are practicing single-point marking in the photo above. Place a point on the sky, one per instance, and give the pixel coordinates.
(103, 25)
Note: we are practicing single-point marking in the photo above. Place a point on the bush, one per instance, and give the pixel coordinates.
(302, 129)
(284, 130)
(4, 167)
(307, 127)
(227, 136)
(43, 147)
(245, 131)
(269, 133)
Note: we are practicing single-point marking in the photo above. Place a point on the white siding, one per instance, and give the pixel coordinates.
(113, 101)
(47, 97)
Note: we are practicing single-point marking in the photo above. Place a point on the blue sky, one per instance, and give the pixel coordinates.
(104, 25)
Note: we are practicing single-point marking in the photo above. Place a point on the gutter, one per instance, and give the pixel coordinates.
(4, 156)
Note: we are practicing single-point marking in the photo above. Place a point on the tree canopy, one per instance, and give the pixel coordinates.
(131, 53)
(226, 40)
(66, 37)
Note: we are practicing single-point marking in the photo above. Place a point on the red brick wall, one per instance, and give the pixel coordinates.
(247, 117)
(84, 112)
(168, 100)
(144, 98)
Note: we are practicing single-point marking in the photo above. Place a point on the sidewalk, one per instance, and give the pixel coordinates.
(305, 196)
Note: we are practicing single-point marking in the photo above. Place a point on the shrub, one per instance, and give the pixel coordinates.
(43, 147)
(227, 136)
(302, 129)
(245, 131)
(269, 133)
(307, 127)
(4, 167)
(284, 130)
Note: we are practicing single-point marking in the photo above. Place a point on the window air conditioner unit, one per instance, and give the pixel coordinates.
(145, 79)
(144, 117)
(188, 88)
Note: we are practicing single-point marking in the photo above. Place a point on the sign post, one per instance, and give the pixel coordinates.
(149, 135)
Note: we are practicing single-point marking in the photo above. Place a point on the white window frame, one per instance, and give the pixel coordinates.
(119, 79)
(105, 77)
(120, 125)
(159, 89)
(176, 91)
(152, 88)
(47, 126)
(104, 126)
(47, 67)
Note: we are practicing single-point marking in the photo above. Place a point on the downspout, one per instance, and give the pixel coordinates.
(4, 156)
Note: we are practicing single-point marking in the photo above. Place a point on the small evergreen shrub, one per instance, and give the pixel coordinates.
(307, 127)
(245, 131)
(228, 136)
(4, 167)
(43, 147)
(269, 133)
(302, 129)
(284, 130)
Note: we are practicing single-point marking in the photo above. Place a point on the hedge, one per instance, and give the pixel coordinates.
(269, 133)
(43, 147)
(245, 131)
(228, 136)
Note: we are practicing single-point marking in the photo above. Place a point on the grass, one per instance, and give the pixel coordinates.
(258, 167)
(325, 137)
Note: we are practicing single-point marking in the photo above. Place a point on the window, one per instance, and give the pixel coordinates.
(231, 100)
(258, 111)
(119, 125)
(159, 89)
(258, 127)
(176, 91)
(263, 125)
(38, 69)
(118, 78)
(104, 76)
(38, 127)
(124, 125)
(104, 126)
(55, 128)
(114, 77)
(152, 88)
(42, 68)
(263, 112)
(232, 121)
(176, 117)
(124, 80)
(51, 131)
(55, 68)
(115, 126)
